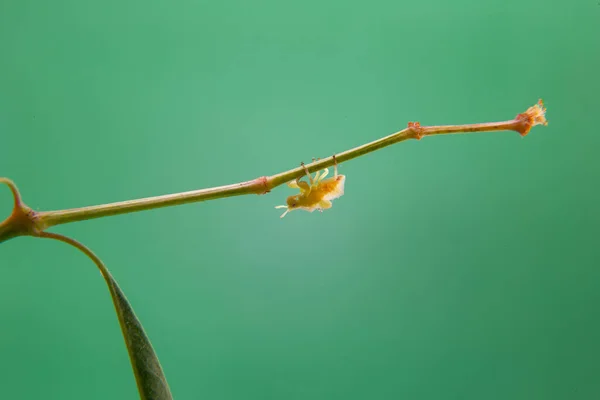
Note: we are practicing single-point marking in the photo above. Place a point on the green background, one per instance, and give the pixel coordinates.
(456, 267)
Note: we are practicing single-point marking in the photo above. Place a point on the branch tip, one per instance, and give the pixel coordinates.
(535, 115)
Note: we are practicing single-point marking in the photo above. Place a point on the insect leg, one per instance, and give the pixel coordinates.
(318, 176)
(335, 166)
(325, 172)
(303, 186)
(310, 178)
(325, 204)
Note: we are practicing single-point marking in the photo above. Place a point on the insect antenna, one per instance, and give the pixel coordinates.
(286, 211)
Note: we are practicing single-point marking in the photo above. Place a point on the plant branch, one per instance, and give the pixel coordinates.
(522, 124)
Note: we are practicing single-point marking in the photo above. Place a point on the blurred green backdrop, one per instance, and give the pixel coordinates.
(458, 267)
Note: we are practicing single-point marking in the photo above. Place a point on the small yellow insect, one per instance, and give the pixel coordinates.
(319, 194)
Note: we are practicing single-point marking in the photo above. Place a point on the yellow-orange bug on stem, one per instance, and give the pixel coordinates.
(319, 194)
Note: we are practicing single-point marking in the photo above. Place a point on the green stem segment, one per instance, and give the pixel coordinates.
(257, 186)
(535, 115)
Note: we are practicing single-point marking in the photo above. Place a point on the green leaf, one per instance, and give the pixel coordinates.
(149, 376)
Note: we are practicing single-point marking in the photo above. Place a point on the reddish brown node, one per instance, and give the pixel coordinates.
(263, 185)
(524, 124)
(534, 115)
(416, 129)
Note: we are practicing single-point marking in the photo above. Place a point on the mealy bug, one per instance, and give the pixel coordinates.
(319, 194)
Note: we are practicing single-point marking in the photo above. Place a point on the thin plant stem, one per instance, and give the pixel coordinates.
(522, 124)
